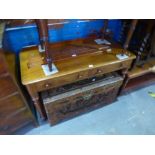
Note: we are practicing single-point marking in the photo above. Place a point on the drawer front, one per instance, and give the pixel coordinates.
(109, 68)
(51, 83)
(60, 81)
(11, 105)
(9, 125)
(65, 108)
(7, 86)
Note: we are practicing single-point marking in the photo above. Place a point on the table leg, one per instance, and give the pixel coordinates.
(35, 98)
(124, 74)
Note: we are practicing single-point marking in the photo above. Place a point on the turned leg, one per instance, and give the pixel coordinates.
(38, 105)
(124, 73)
(136, 61)
(125, 81)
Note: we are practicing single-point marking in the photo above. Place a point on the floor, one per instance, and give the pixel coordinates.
(132, 113)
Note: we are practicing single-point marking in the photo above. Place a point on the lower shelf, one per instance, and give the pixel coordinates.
(140, 82)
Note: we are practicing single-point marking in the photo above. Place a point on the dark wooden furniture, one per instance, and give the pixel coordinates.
(130, 33)
(14, 111)
(74, 99)
(44, 39)
(142, 72)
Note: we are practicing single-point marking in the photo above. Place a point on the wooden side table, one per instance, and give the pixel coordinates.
(69, 70)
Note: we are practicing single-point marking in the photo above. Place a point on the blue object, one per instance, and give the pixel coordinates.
(16, 38)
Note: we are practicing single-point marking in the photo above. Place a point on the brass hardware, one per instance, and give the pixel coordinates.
(80, 76)
(99, 71)
(47, 85)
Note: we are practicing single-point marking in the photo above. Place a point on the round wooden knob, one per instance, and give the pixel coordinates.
(47, 85)
(99, 71)
(80, 76)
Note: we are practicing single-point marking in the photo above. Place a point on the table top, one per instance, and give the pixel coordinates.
(35, 73)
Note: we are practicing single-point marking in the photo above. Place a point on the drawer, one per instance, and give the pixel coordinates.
(10, 105)
(59, 81)
(7, 86)
(11, 124)
(109, 68)
(95, 71)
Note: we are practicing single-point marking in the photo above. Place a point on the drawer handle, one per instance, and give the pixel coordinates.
(47, 85)
(99, 71)
(80, 76)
